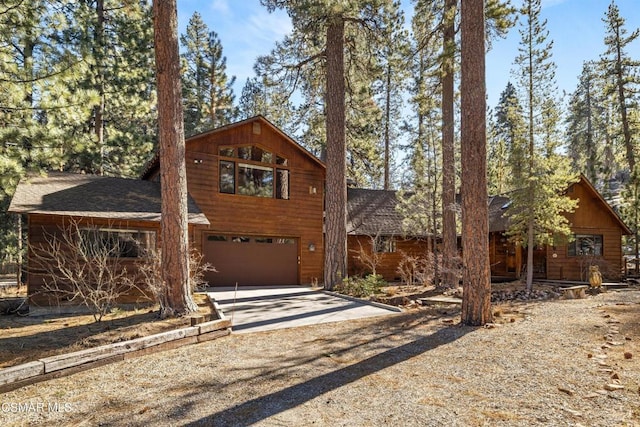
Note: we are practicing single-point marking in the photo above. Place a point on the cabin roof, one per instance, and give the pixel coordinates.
(373, 212)
(154, 162)
(60, 193)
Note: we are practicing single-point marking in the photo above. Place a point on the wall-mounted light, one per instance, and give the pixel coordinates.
(197, 161)
(312, 247)
(312, 190)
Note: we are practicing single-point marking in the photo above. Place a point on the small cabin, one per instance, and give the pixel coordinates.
(596, 239)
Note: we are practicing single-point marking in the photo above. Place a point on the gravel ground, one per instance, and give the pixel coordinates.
(545, 364)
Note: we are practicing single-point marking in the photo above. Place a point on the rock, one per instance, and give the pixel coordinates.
(628, 355)
(614, 387)
(566, 390)
(592, 395)
(573, 412)
(615, 376)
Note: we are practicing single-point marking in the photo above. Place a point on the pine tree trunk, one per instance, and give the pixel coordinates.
(387, 130)
(173, 178)
(476, 300)
(99, 54)
(335, 261)
(530, 248)
(449, 232)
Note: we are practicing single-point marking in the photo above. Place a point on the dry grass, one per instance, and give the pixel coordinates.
(408, 369)
(27, 338)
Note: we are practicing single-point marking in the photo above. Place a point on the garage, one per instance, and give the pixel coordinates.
(251, 260)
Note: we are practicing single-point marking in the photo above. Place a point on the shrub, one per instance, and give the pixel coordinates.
(92, 274)
(361, 287)
(415, 269)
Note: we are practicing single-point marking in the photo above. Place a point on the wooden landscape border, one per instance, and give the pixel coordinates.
(67, 364)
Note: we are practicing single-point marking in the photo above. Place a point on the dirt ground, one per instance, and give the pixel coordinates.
(27, 338)
(554, 362)
(557, 363)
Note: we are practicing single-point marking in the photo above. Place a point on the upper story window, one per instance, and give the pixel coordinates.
(586, 244)
(252, 171)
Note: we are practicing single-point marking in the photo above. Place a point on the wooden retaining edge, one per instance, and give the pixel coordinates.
(66, 364)
(364, 301)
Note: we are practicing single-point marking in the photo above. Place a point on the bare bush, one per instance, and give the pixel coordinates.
(415, 269)
(604, 267)
(149, 268)
(82, 271)
(370, 259)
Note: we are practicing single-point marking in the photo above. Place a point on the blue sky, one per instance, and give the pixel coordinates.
(247, 30)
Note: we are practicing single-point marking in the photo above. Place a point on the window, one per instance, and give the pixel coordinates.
(255, 180)
(240, 239)
(254, 153)
(227, 177)
(285, 241)
(256, 176)
(385, 244)
(98, 242)
(586, 244)
(282, 184)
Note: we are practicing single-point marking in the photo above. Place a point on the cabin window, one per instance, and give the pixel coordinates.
(113, 243)
(385, 244)
(255, 180)
(227, 177)
(282, 184)
(256, 175)
(586, 245)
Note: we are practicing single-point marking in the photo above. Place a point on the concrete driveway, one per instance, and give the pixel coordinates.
(263, 308)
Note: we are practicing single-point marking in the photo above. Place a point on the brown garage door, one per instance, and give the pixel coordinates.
(251, 260)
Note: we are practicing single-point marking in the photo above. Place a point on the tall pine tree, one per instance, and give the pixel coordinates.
(536, 212)
(207, 90)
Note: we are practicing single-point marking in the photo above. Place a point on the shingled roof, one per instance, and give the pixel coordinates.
(373, 212)
(94, 196)
(498, 205)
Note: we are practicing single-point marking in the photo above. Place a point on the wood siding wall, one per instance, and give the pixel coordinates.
(299, 217)
(44, 228)
(388, 263)
(591, 217)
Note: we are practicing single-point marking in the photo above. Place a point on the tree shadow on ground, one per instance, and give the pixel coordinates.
(264, 407)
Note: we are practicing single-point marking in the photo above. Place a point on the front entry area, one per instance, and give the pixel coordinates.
(251, 260)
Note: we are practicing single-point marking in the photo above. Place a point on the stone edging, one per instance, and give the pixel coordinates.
(66, 364)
